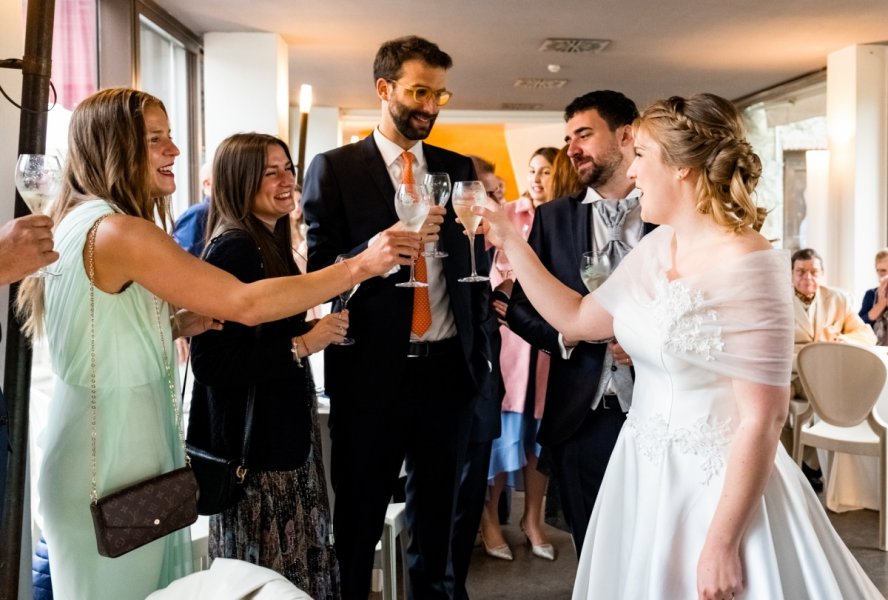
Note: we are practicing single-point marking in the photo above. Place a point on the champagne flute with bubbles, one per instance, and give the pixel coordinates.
(38, 178)
(344, 297)
(439, 188)
(412, 203)
(467, 194)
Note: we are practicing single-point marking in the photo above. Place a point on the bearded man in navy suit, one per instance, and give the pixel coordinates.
(426, 395)
(589, 388)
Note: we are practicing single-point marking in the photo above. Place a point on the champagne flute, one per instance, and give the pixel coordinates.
(439, 187)
(344, 297)
(38, 178)
(412, 203)
(467, 194)
(595, 268)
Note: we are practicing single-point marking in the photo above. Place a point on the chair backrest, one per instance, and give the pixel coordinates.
(843, 381)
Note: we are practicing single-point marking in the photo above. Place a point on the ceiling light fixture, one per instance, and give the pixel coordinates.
(574, 45)
(533, 83)
(521, 106)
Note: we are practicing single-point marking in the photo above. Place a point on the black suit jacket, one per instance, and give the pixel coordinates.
(348, 197)
(560, 234)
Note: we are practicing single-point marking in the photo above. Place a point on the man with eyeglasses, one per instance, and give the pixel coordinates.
(822, 314)
(421, 384)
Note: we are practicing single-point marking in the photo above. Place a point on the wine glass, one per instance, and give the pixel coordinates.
(412, 203)
(595, 268)
(38, 178)
(467, 194)
(344, 297)
(439, 188)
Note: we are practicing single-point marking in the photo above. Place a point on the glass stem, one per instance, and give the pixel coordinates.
(412, 270)
(472, 253)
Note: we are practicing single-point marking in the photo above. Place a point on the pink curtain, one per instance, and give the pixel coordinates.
(74, 50)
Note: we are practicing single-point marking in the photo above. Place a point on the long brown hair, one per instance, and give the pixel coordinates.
(107, 159)
(238, 169)
(565, 180)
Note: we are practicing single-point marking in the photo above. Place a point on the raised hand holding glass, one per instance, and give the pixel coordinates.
(412, 203)
(38, 178)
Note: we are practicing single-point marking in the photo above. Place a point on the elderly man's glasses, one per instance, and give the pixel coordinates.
(812, 272)
(422, 94)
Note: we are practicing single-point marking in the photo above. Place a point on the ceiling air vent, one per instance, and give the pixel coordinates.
(540, 84)
(574, 45)
(521, 106)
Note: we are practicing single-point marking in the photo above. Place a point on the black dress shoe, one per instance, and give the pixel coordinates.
(815, 477)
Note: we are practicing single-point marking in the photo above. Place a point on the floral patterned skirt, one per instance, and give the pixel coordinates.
(283, 523)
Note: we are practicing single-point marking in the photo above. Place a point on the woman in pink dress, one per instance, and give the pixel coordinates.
(515, 453)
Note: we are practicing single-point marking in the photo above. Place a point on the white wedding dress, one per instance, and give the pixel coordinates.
(689, 338)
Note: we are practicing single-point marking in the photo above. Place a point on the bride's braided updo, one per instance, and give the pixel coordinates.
(706, 133)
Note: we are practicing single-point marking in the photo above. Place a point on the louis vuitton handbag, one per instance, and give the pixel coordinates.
(152, 508)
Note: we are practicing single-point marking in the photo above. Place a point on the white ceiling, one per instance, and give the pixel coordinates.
(657, 48)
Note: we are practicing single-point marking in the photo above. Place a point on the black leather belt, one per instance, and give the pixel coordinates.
(432, 349)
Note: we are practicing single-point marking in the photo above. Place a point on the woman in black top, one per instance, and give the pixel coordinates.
(283, 520)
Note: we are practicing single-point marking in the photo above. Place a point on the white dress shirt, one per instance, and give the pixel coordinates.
(443, 325)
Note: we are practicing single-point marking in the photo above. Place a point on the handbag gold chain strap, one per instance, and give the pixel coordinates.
(94, 495)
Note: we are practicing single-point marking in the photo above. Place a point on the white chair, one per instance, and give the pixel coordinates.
(843, 383)
(395, 525)
(797, 408)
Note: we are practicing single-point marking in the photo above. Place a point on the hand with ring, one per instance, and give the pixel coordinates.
(331, 329)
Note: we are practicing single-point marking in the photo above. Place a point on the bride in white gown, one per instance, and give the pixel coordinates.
(699, 499)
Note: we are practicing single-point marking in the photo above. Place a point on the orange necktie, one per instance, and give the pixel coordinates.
(422, 312)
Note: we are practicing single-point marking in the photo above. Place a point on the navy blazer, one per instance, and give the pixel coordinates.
(560, 234)
(348, 197)
(869, 299)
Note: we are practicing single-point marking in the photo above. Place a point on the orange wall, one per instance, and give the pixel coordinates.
(486, 141)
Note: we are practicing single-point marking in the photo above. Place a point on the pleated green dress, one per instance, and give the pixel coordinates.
(136, 429)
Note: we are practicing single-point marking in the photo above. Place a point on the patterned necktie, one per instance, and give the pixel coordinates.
(613, 214)
(615, 379)
(422, 312)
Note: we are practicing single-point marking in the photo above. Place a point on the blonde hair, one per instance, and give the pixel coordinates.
(107, 159)
(706, 133)
(881, 255)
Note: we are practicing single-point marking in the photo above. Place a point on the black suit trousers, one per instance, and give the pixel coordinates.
(426, 425)
(579, 464)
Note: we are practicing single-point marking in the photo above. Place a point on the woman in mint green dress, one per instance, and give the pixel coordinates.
(120, 167)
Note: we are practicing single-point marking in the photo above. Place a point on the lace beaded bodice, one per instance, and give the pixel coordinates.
(689, 339)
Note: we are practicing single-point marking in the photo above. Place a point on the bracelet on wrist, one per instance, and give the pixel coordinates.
(295, 350)
(351, 278)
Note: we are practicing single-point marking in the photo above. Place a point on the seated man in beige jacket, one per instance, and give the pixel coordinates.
(822, 314)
